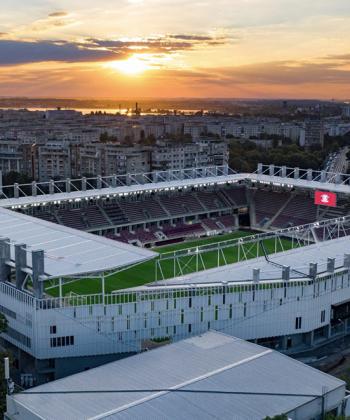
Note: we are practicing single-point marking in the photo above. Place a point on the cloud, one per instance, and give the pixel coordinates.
(58, 14)
(274, 80)
(272, 74)
(19, 52)
(49, 22)
(162, 43)
(191, 37)
(288, 73)
(341, 57)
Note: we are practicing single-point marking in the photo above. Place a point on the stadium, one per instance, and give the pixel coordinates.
(94, 269)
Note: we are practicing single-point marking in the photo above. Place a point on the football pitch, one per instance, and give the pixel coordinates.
(150, 271)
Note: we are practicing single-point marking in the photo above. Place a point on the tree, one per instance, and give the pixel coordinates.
(150, 140)
(106, 138)
(12, 177)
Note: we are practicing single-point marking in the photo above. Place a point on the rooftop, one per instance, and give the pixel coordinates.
(67, 252)
(112, 186)
(298, 259)
(135, 184)
(194, 378)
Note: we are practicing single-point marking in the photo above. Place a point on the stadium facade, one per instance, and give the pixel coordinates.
(289, 300)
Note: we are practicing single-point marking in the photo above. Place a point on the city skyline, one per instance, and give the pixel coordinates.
(153, 48)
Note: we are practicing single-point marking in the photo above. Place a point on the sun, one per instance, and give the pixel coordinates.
(132, 66)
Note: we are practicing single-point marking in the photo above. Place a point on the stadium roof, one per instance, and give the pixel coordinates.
(193, 378)
(123, 190)
(163, 185)
(67, 252)
(298, 183)
(298, 259)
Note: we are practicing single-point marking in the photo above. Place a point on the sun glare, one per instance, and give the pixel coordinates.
(132, 66)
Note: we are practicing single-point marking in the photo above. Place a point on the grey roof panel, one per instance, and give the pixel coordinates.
(214, 363)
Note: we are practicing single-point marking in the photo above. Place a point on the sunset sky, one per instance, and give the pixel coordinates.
(175, 48)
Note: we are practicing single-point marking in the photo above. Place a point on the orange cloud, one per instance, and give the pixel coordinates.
(270, 80)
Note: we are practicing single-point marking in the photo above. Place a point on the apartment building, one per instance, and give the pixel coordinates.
(167, 154)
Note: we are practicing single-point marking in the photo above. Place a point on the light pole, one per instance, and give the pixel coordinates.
(9, 382)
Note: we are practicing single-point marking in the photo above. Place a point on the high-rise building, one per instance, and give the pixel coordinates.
(312, 133)
(346, 111)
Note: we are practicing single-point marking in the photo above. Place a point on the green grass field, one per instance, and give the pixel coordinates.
(146, 272)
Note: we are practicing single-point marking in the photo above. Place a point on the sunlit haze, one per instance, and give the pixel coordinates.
(168, 48)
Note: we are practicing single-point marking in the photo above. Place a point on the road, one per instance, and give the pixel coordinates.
(337, 162)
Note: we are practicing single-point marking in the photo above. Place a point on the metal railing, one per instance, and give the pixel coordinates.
(113, 181)
(303, 174)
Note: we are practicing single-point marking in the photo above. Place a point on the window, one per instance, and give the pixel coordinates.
(298, 323)
(62, 341)
(53, 329)
(216, 312)
(323, 315)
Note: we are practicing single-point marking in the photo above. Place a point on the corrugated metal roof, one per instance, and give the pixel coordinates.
(298, 259)
(213, 363)
(68, 251)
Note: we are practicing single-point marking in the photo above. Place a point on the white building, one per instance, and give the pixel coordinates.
(289, 301)
(169, 155)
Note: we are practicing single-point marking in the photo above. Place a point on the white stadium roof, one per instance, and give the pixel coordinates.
(67, 252)
(298, 183)
(298, 259)
(227, 176)
(194, 378)
(119, 191)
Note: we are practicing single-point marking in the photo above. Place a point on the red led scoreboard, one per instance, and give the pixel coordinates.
(325, 198)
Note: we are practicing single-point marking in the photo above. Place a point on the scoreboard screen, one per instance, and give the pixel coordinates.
(325, 198)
